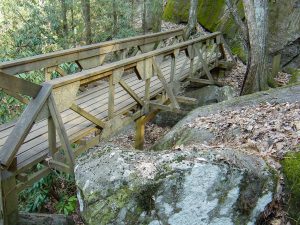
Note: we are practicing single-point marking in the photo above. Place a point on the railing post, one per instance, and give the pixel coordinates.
(9, 199)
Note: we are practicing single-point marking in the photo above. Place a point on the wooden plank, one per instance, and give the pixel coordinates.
(64, 139)
(16, 96)
(32, 179)
(140, 133)
(60, 166)
(23, 126)
(165, 85)
(131, 92)
(104, 71)
(228, 49)
(111, 98)
(186, 100)
(51, 136)
(166, 108)
(204, 65)
(9, 199)
(87, 115)
(75, 54)
(18, 85)
(204, 81)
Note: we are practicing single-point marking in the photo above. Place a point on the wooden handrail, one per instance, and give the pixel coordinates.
(86, 76)
(84, 52)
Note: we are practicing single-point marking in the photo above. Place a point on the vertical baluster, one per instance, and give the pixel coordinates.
(111, 98)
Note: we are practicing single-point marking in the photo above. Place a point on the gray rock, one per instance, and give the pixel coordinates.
(205, 96)
(190, 187)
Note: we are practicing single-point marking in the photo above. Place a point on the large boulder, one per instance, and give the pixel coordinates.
(284, 29)
(188, 186)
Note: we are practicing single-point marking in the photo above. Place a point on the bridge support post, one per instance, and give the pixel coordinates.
(140, 133)
(8, 199)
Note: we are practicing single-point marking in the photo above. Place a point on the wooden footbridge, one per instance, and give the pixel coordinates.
(118, 82)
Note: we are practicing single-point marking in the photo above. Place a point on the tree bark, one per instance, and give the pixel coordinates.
(86, 12)
(256, 78)
(64, 17)
(192, 22)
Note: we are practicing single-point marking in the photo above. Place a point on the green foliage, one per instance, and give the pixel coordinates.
(56, 189)
(67, 205)
(291, 170)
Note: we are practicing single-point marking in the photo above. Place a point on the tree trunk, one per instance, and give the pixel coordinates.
(192, 23)
(64, 17)
(86, 11)
(115, 18)
(256, 78)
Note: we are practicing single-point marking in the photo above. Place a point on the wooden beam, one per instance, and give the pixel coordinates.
(16, 96)
(8, 199)
(23, 126)
(64, 139)
(18, 85)
(227, 48)
(158, 106)
(131, 92)
(80, 53)
(204, 64)
(204, 81)
(111, 98)
(32, 179)
(87, 115)
(140, 133)
(51, 136)
(165, 85)
(186, 100)
(60, 166)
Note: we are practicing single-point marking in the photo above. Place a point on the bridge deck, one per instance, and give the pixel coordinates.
(95, 101)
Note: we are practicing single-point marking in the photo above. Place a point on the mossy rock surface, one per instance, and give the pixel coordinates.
(291, 171)
(210, 15)
(283, 25)
(187, 187)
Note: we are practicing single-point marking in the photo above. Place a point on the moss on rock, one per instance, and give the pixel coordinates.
(291, 170)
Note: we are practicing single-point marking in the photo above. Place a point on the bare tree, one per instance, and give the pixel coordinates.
(254, 36)
(192, 22)
(256, 79)
(86, 12)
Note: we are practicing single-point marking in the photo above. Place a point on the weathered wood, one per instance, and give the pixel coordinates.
(186, 100)
(144, 69)
(64, 139)
(228, 49)
(9, 199)
(60, 166)
(18, 85)
(111, 98)
(80, 53)
(166, 108)
(204, 64)
(65, 96)
(23, 126)
(87, 115)
(131, 92)
(32, 179)
(88, 76)
(51, 136)
(204, 81)
(165, 85)
(140, 133)
(17, 96)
